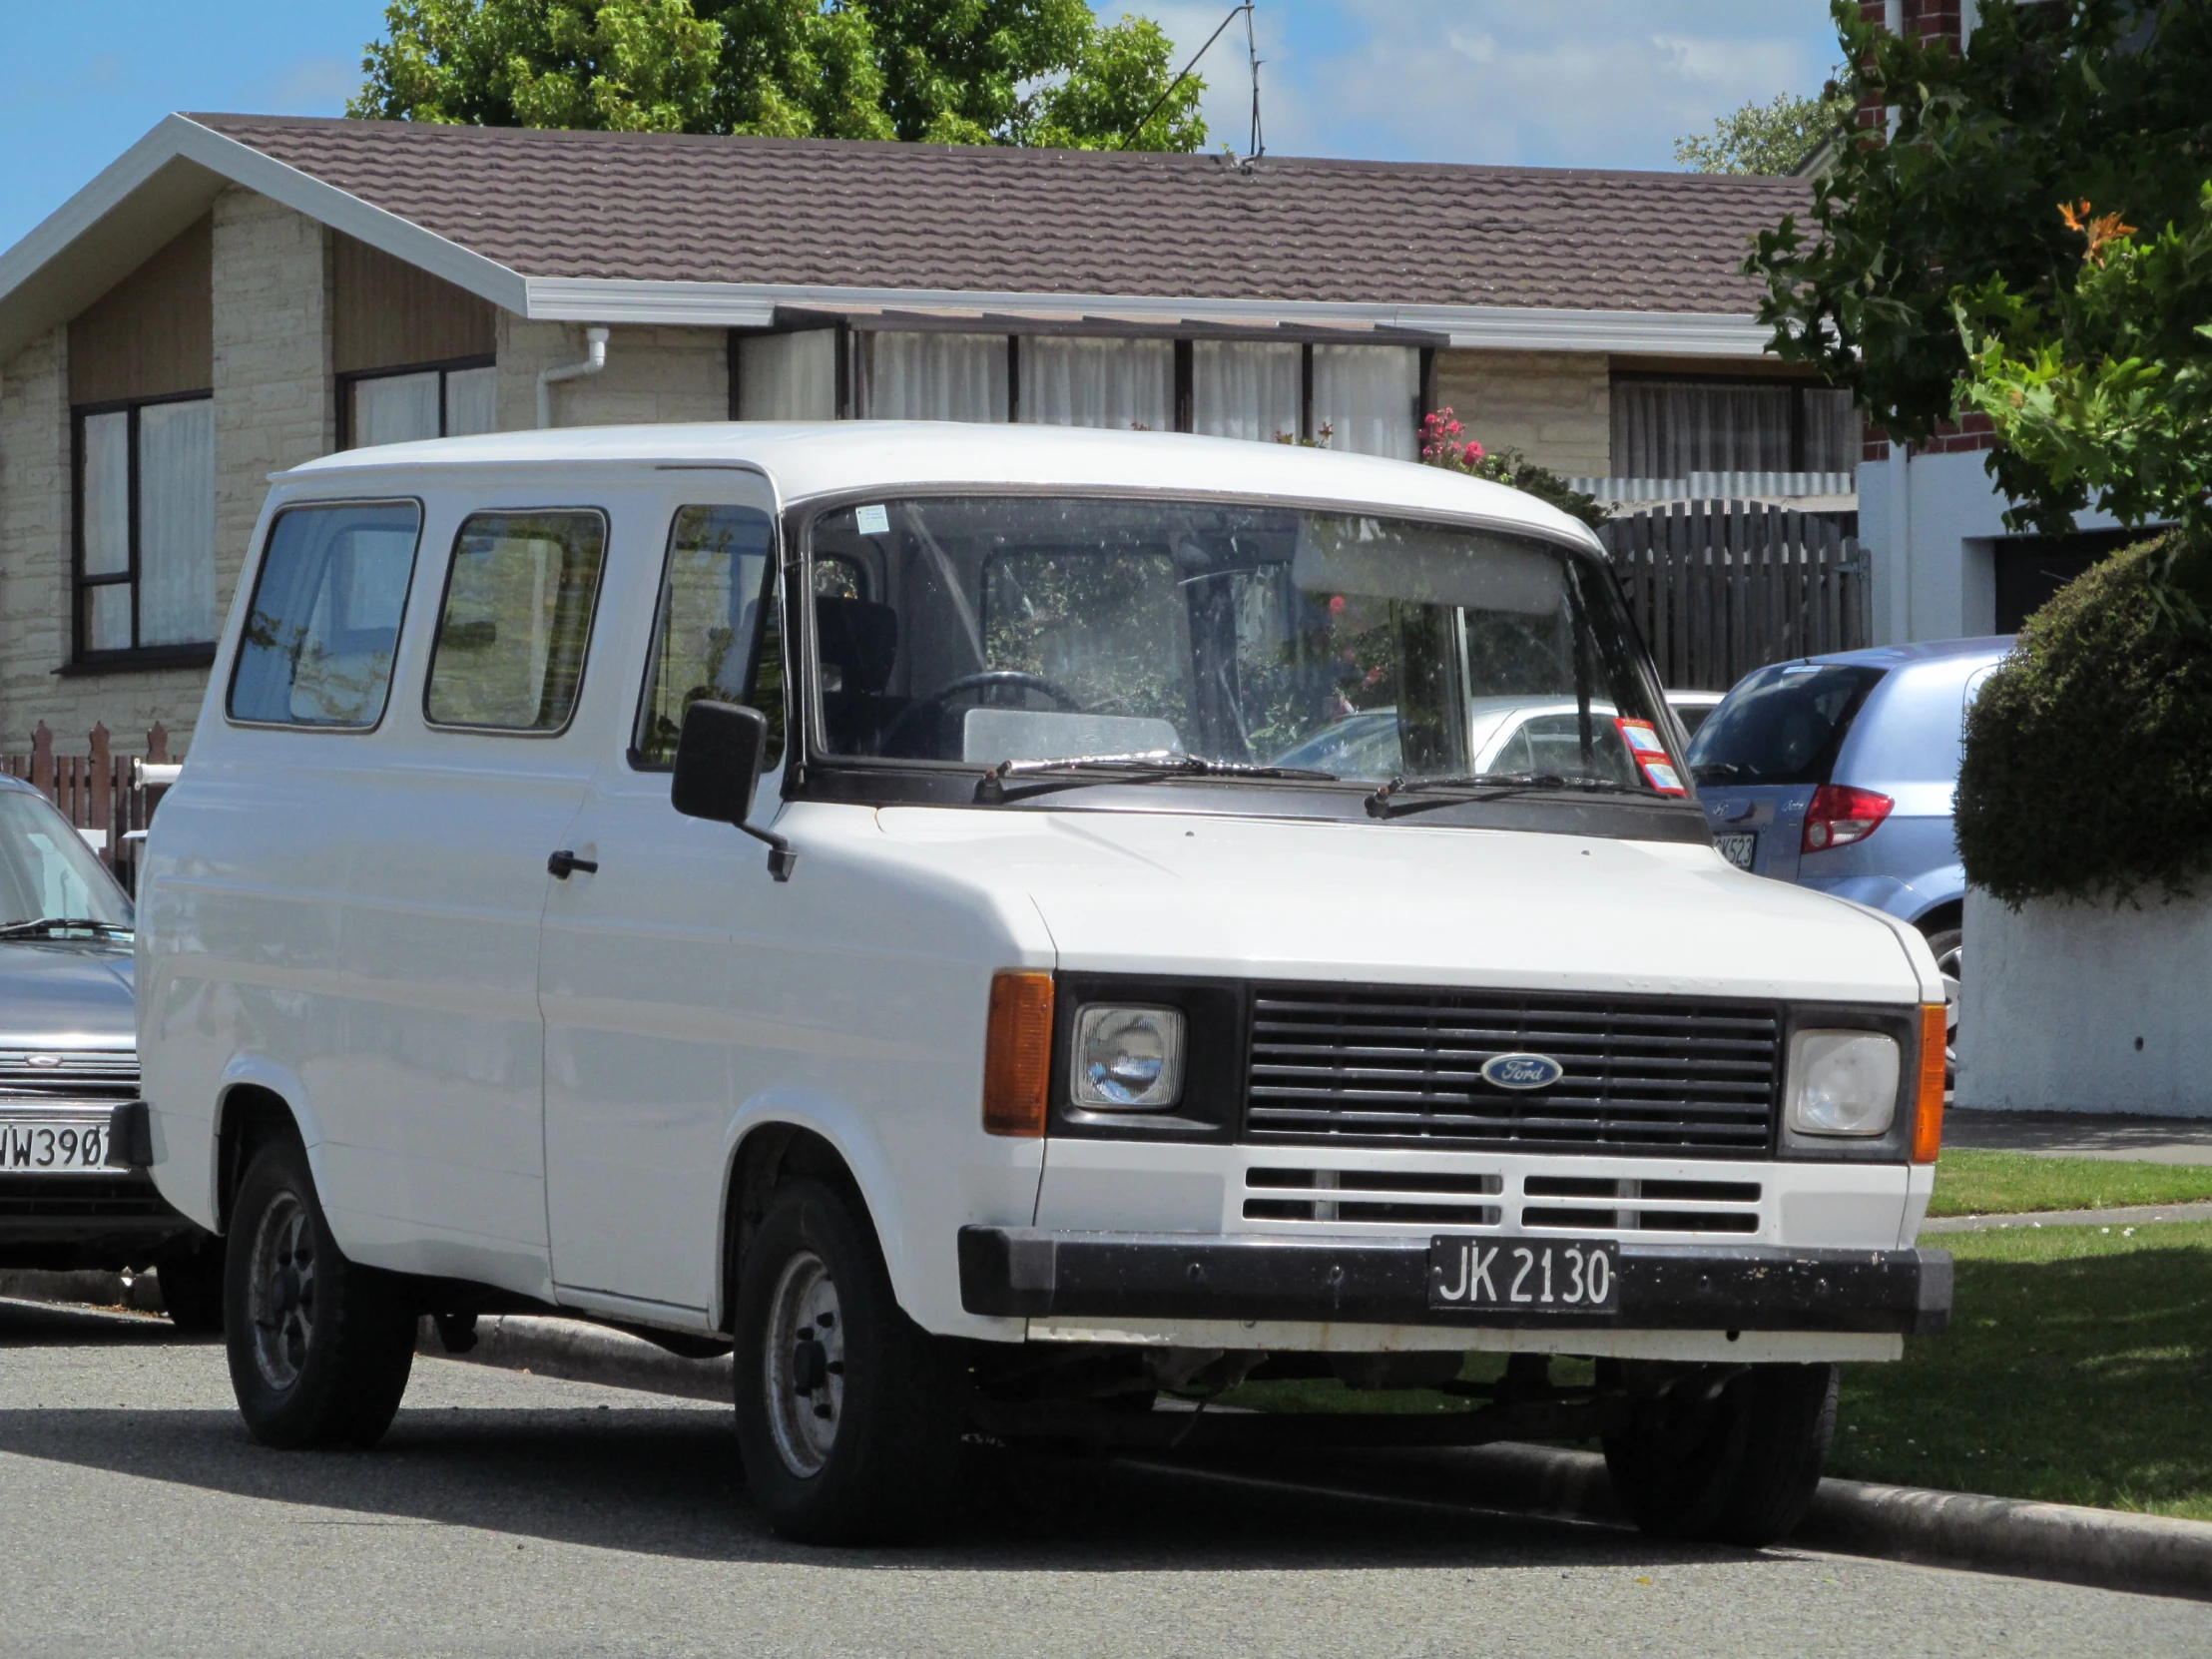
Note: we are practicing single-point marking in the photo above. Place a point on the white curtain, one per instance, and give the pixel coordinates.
(910, 376)
(177, 523)
(788, 376)
(1366, 397)
(106, 530)
(1672, 429)
(395, 409)
(471, 401)
(1116, 383)
(1242, 389)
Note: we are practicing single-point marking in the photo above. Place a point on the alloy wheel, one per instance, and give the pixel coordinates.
(1951, 964)
(805, 1363)
(281, 1291)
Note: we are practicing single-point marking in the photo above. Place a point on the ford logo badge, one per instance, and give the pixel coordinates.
(1522, 1071)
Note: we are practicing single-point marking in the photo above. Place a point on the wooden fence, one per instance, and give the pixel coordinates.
(1720, 588)
(103, 794)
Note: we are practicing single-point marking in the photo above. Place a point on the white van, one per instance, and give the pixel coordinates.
(1063, 1047)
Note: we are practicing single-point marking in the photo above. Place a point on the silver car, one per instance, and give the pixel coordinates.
(68, 1059)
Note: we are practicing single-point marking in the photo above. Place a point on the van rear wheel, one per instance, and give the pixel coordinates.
(320, 1347)
(848, 1413)
(1739, 1467)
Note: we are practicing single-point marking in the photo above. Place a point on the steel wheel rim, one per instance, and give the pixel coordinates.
(1952, 966)
(804, 1366)
(282, 1292)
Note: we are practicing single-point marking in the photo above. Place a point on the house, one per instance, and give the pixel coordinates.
(239, 294)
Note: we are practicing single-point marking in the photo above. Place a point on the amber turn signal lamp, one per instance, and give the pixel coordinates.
(1017, 1054)
(1928, 1122)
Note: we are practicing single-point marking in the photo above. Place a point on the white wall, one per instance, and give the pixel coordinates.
(2081, 1007)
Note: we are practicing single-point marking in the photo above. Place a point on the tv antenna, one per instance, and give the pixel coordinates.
(1252, 51)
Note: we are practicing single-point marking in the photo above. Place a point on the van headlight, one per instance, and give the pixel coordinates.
(1127, 1059)
(1842, 1082)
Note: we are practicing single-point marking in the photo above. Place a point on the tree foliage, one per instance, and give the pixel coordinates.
(1770, 138)
(944, 71)
(2104, 389)
(2056, 102)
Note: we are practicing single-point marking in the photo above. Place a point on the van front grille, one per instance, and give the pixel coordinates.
(1391, 1066)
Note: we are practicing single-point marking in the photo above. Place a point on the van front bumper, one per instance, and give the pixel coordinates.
(1036, 1272)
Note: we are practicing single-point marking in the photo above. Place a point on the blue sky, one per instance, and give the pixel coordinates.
(1572, 83)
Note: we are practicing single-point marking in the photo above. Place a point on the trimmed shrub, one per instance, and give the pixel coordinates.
(2089, 754)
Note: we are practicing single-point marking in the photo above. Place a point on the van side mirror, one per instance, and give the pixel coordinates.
(718, 768)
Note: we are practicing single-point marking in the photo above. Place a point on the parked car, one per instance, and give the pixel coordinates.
(67, 1056)
(827, 891)
(1692, 708)
(1505, 736)
(1837, 773)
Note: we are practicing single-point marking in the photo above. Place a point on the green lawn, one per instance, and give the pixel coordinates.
(2077, 1369)
(1973, 1182)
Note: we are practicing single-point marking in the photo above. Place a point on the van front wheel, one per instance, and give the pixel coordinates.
(1735, 1466)
(848, 1413)
(320, 1347)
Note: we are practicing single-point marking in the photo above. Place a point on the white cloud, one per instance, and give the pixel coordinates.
(1585, 83)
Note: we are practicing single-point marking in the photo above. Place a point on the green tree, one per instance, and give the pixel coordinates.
(1770, 138)
(944, 71)
(2103, 100)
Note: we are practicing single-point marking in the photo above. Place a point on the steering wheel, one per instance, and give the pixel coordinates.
(992, 679)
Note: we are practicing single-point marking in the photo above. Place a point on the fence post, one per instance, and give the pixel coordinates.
(102, 813)
(42, 760)
(156, 743)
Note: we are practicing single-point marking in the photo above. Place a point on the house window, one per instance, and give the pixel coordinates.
(442, 401)
(1369, 396)
(915, 377)
(145, 527)
(1247, 390)
(1672, 429)
(1068, 380)
(788, 376)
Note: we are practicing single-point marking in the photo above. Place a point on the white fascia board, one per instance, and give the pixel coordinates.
(176, 137)
(1490, 327)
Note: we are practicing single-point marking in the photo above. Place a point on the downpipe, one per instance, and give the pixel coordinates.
(595, 342)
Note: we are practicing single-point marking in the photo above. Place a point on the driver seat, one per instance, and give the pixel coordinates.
(858, 643)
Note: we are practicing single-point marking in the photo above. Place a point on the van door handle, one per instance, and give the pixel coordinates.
(564, 862)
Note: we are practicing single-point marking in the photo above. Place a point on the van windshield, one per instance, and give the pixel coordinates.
(983, 630)
(1782, 725)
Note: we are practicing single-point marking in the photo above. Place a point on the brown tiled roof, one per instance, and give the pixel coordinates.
(986, 220)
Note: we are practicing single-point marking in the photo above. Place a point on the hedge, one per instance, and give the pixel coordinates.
(2087, 770)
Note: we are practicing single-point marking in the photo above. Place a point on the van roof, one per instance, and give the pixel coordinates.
(809, 459)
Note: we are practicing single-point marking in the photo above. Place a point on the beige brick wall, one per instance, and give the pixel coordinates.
(1556, 407)
(652, 374)
(35, 544)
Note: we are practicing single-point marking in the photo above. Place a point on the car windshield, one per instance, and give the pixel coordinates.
(47, 873)
(1782, 725)
(990, 630)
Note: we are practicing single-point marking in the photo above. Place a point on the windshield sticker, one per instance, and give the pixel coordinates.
(873, 521)
(1663, 777)
(1642, 738)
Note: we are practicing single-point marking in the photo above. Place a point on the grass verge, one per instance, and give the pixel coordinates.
(1972, 1180)
(2076, 1370)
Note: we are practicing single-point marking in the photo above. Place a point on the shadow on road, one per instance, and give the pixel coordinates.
(667, 1483)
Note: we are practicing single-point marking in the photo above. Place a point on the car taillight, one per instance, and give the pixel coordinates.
(1839, 815)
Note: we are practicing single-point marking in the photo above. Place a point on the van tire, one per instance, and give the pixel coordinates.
(1737, 1469)
(868, 1451)
(328, 1361)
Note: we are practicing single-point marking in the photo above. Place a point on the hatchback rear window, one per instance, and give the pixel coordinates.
(1783, 725)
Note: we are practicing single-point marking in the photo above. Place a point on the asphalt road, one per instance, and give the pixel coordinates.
(507, 1514)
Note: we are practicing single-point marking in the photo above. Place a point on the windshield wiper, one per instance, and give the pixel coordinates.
(1716, 770)
(44, 927)
(1389, 801)
(1128, 769)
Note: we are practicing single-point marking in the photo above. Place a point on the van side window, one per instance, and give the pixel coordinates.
(718, 635)
(518, 611)
(328, 604)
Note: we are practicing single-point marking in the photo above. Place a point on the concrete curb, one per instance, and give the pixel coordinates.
(2102, 1548)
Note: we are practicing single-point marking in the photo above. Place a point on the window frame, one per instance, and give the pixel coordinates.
(399, 629)
(81, 660)
(591, 621)
(443, 368)
(769, 597)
